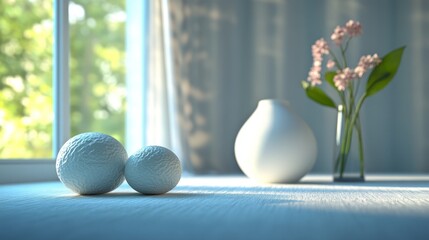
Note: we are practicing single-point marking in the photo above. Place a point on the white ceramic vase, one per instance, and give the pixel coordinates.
(275, 145)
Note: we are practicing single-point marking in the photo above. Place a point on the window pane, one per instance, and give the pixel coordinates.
(97, 68)
(26, 79)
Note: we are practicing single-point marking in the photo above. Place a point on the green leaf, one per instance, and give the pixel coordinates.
(329, 77)
(382, 74)
(318, 95)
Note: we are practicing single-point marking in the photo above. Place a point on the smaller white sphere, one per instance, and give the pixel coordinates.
(153, 170)
(91, 163)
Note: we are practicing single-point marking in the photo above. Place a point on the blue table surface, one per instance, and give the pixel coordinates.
(223, 207)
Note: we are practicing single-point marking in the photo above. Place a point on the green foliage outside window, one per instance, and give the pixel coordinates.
(97, 73)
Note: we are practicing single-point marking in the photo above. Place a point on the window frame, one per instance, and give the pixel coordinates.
(33, 170)
(137, 29)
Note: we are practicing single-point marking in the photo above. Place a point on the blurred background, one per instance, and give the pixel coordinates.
(187, 74)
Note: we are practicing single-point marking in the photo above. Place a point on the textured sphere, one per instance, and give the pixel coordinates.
(153, 170)
(91, 163)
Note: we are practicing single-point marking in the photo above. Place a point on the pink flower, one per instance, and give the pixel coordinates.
(338, 35)
(343, 77)
(353, 28)
(314, 76)
(330, 64)
(365, 63)
(319, 48)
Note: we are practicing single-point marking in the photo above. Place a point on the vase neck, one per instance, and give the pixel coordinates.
(271, 103)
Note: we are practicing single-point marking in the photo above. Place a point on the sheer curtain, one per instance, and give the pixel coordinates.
(226, 55)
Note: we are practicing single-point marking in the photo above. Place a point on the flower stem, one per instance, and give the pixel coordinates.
(352, 122)
(345, 147)
(361, 156)
(347, 44)
(343, 54)
(337, 63)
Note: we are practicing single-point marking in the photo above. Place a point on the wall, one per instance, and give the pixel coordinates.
(228, 54)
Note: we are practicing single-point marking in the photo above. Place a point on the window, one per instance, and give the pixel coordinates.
(51, 92)
(96, 69)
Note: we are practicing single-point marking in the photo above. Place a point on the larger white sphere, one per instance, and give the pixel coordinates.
(91, 163)
(153, 170)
